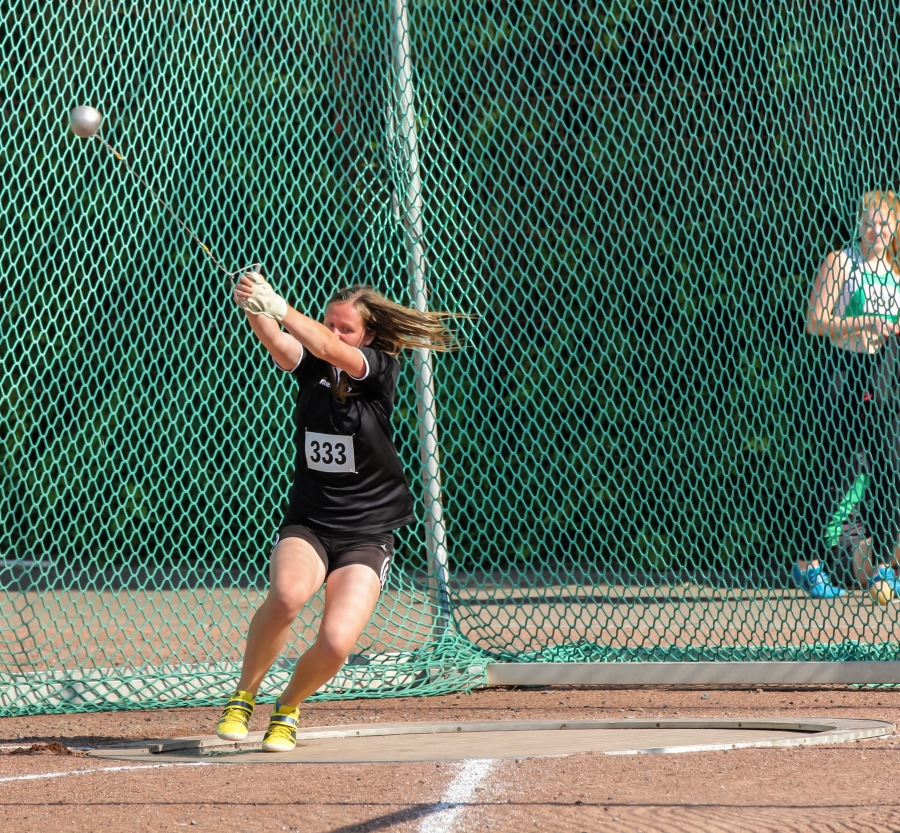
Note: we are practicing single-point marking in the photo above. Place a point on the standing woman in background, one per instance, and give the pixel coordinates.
(855, 304)
(349, 492)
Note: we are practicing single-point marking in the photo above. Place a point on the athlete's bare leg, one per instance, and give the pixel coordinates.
(350, 597)
(296, 572)
(863, 561)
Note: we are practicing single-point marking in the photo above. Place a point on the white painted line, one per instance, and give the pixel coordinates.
(42, 775)
(444, 817)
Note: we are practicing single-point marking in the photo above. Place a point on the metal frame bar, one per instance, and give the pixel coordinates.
(411, 215)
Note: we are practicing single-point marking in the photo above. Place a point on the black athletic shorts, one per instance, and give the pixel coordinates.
(375, 551)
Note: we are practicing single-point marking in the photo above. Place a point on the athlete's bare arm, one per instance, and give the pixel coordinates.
(820, 317)
(282, 346)
(301, 329)
(324, 344)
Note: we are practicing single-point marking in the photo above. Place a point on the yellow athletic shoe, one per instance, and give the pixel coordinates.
(233, 722)
(282, 732)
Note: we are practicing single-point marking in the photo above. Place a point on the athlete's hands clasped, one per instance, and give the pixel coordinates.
(880, 331)
(863, 333)
(254, 294)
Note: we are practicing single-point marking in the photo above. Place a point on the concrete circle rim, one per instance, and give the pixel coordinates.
(809, 731)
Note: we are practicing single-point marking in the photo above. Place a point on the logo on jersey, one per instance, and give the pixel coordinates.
(883, 299)
(326, 384)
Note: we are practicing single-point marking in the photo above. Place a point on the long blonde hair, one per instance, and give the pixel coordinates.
(396, 327)
(888, 203)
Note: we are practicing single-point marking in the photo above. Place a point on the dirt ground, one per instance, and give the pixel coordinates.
(835, 788)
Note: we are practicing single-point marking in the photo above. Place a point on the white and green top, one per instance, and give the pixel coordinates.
(868, 293)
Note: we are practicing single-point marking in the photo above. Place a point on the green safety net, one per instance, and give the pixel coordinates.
(632, 199)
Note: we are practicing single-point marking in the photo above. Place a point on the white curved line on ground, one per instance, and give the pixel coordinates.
(40, 775)
(444, 817)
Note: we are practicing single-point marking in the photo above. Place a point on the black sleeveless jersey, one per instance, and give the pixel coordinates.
(348, 478)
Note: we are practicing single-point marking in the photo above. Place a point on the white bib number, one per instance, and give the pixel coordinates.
(330, 452)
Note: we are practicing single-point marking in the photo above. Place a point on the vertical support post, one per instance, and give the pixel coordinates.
(403, 126)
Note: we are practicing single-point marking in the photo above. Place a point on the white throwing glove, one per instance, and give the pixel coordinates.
(264, 300)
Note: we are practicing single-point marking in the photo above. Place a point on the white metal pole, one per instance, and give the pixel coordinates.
(410, 210)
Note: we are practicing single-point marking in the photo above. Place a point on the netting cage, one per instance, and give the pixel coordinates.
(631, 201)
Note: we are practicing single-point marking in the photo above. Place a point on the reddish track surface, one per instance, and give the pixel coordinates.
(844, 787)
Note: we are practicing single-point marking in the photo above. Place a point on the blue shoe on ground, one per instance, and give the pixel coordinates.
(815, 583)
(888, 575)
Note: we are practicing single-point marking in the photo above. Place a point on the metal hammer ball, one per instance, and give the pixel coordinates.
(85, 121)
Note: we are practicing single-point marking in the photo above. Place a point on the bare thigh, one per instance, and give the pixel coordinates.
(351, 594)
(295, 574)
